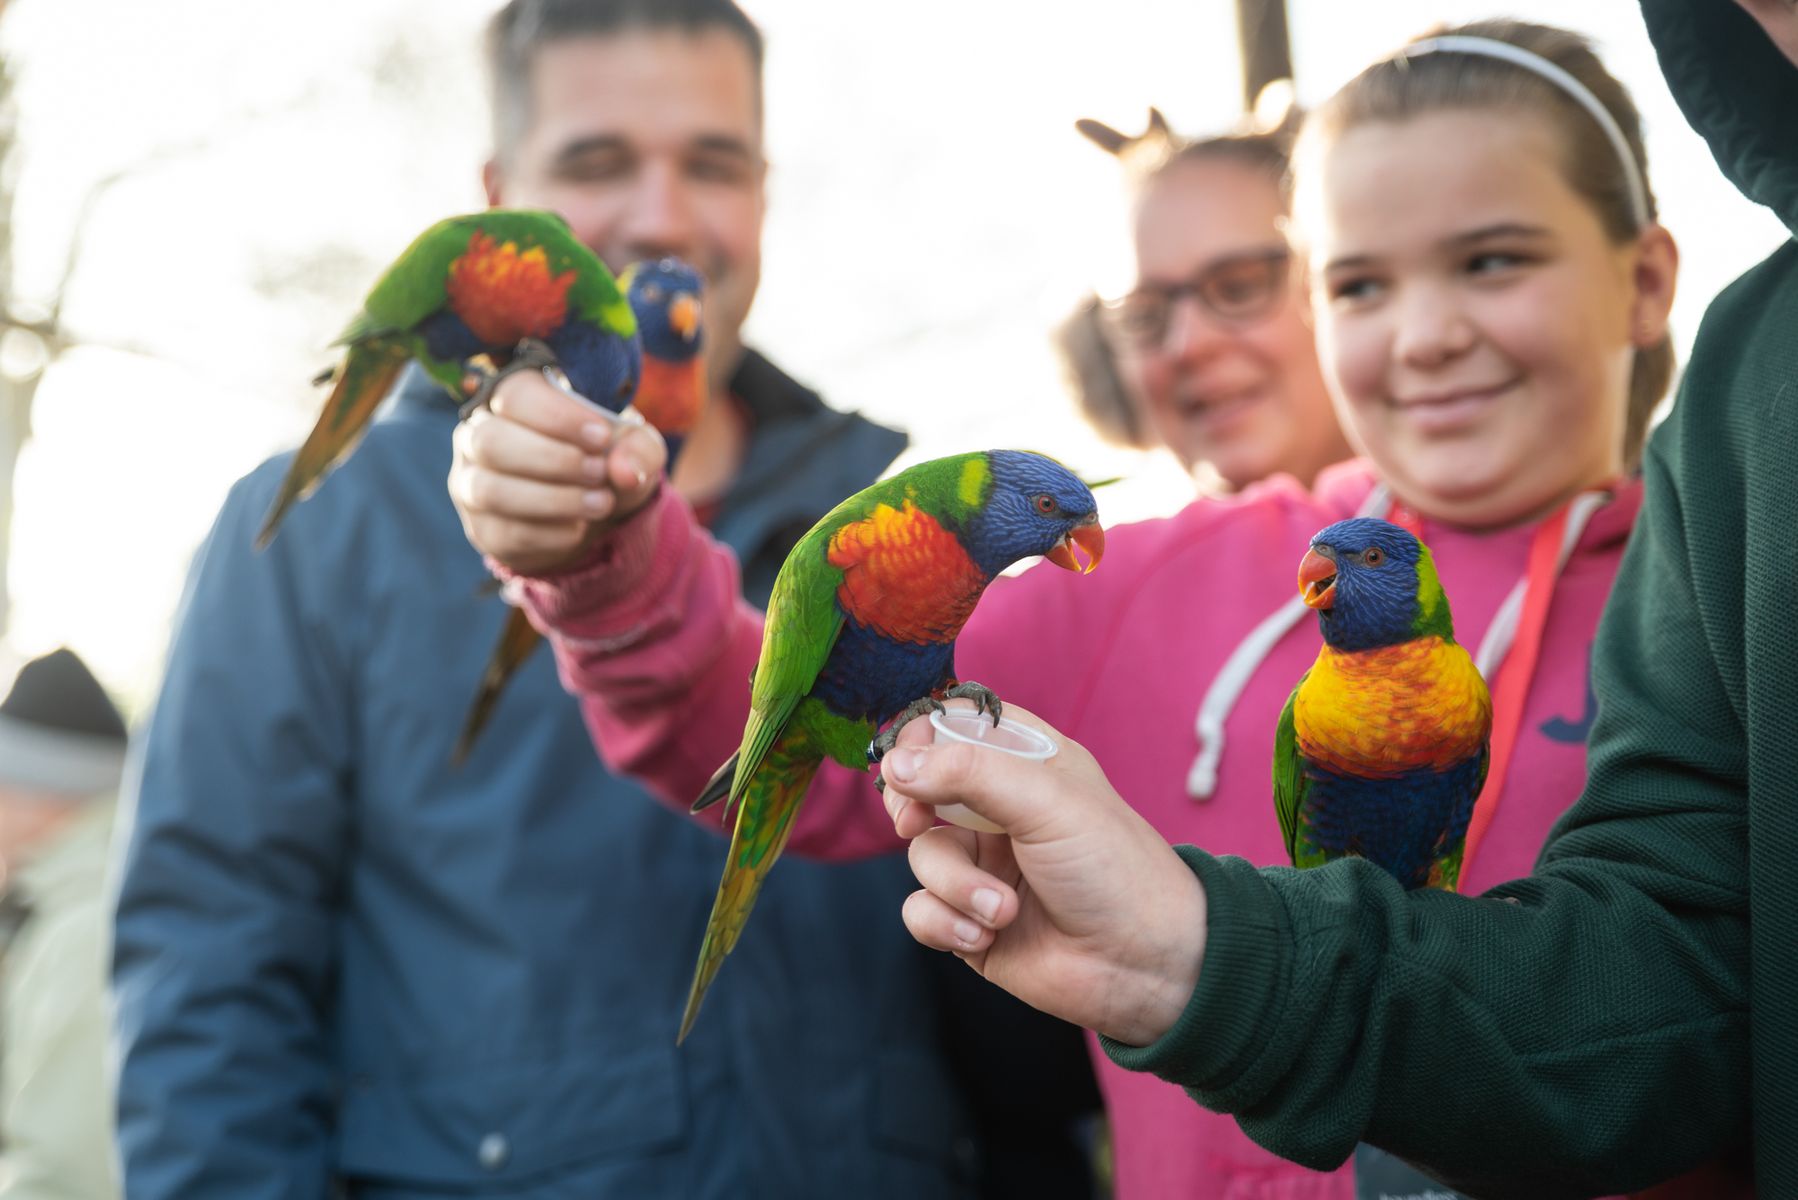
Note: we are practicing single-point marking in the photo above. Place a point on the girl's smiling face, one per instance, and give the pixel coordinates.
(1477, 325)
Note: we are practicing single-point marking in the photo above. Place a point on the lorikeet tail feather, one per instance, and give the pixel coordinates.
(764, 819)
(369, 370)
(516, 642)
(718, 787)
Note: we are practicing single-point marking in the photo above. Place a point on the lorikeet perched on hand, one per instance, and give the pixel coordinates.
(664, 296)
(1382, 747)
(470, 286)
(862, 622)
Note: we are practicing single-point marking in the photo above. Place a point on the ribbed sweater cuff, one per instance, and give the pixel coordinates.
(1242, 978)
(603, 590)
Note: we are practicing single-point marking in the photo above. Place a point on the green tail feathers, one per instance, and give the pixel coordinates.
(368, 374)
(764, 821)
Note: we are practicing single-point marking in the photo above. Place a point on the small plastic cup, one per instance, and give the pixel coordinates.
(977, 729)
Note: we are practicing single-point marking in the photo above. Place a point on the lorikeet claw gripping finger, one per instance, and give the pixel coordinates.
(983, 697)
(985, 701)
(883, 741)
(531, 355)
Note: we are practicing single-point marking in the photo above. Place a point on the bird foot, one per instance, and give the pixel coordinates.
(985, 701)
(984, 698)
(531, 355)
(884, 740)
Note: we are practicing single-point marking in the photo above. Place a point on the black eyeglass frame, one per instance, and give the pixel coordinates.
(1142, 317)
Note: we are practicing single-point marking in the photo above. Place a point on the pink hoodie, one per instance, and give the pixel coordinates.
(658, 646)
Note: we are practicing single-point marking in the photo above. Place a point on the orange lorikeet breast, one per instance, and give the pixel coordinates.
(504, 294)
(904, 575)
(1375, 714)
(671, 394)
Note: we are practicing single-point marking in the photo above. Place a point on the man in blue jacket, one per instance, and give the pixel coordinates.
(343, 965)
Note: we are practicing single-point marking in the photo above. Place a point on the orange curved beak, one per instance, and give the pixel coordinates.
(1088, 538)
(683, 315)
(1317, 579)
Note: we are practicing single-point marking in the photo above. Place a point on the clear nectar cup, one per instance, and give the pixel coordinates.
(977, 729)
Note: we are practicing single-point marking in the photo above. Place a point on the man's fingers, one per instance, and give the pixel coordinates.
(943, 859)
(940, 927)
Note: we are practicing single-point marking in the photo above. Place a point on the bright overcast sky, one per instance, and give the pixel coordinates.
(933, 214)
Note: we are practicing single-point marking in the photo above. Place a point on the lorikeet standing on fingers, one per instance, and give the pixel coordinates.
(861, 624)
(1382, 747)
(665, 298)
(472, 286)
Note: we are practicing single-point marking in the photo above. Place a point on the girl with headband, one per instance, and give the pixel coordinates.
(1491, 293)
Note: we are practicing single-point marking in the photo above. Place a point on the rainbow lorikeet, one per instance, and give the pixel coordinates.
(472, 286)
(1382, 747)
(665, 297)
(862, 623)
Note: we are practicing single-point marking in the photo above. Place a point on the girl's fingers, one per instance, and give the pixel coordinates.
(527, 547)
(481, 491)
(941, 927)
(530, 400)
(505, 446)
(635, 464)
(944, 860)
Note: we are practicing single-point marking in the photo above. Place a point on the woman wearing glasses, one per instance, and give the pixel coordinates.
(1210, 352)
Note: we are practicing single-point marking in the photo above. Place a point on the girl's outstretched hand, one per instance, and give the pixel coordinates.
(1080, 908)
(539, 473)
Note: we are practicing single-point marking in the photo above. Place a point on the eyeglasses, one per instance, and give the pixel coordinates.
(1236, 289)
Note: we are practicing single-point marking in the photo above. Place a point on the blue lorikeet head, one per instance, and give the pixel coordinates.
(1033, 505)
(665, 295)
(1373, 584)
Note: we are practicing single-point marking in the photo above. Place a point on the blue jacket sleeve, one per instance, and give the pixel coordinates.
(223, 953)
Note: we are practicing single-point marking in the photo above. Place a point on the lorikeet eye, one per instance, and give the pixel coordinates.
(1374, 556)
(1045, 504)
(652, 292)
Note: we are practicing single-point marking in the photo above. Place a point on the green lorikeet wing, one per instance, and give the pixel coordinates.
(768, 775)
(1289, 777)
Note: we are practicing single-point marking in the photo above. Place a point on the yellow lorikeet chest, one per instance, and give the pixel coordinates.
(1379, 713)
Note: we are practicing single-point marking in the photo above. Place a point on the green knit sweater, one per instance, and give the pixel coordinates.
(1631, 1009)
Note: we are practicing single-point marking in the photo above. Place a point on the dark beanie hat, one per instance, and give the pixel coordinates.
(58, 730)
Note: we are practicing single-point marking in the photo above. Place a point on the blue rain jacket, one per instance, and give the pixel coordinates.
(345, 967)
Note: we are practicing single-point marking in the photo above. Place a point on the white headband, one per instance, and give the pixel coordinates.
(1530, 61)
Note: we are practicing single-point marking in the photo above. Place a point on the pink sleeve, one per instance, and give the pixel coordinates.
(652, 636)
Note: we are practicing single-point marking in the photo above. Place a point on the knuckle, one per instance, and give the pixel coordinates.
(478, 487)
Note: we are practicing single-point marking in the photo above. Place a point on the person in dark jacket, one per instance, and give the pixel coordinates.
(343, 966)
(1628, 1013)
